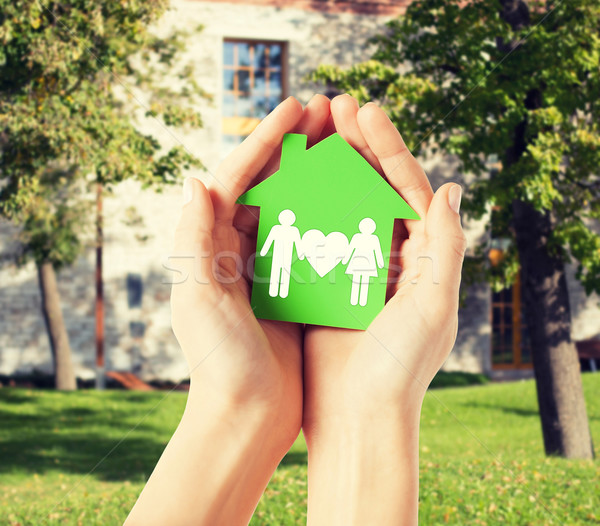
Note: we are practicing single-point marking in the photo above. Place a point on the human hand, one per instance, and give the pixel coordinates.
(235, 359)
(364, 389)
(244, 408)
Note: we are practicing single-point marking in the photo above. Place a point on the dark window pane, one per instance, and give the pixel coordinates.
(228, 53)
(508, 338)
(137, 329)
(243, 54)
(275, 83)
(244, 81)
(228, 79)
(496, 315)
(275, 56)
(508, 316)
(496, 343)
(260, 59)
(259, 82)
(134, 290)
(228, 106)
(508, 295)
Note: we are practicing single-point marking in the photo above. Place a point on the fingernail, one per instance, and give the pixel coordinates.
(311, 100)
(454, 196)
(188, 191)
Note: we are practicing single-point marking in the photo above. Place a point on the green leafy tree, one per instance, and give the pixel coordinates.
(71, 73)
(519, 82)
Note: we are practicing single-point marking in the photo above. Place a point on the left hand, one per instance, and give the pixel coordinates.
(363, 390)
(350, 374)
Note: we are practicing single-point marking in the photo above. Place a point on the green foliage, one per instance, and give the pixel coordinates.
(481, 459)
(70, 74)
(453, 79)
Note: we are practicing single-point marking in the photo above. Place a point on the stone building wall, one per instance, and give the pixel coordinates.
(313, 37)
(139, 338)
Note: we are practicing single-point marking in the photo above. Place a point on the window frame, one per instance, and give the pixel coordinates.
(240, 125)
(516, 327)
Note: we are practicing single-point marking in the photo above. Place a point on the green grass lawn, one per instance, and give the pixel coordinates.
(82, 458)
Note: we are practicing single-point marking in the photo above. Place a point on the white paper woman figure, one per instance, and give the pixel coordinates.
(364, 256)
(284, 237)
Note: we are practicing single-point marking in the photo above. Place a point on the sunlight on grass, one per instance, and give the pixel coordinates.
(481, 450)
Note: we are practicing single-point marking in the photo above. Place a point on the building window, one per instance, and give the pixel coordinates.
(254, 82)
(510, 340)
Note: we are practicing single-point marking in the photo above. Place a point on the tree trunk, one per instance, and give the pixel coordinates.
(548, 315)
(555, 361)
(57, 333)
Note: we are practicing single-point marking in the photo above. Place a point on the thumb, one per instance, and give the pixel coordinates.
(193, 251)
(446, 242)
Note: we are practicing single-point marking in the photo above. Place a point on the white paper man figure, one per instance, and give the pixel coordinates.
(284, 237)
(364, 255)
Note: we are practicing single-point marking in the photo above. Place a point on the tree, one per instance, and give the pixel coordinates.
(518, 81)
(66, 125)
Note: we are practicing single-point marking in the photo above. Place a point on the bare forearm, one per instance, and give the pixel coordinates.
(213, 471)
(364, 473)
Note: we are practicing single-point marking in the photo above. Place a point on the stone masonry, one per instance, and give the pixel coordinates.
(139, 337)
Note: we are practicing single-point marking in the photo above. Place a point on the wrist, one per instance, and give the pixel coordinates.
(353, 413)
(356, 465)
(272, 425)
(348, 434)
(218, 463)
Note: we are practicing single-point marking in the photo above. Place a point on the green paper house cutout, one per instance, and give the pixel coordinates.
(324, 236)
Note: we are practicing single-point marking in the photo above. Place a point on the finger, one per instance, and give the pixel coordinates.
(193, 252)
(402, 170)
(446, 245)
(328, 129)
(344, 110)
(237, 171)
(314, 118)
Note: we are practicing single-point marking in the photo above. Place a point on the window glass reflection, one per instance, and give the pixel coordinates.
(228, 106)
(243, 81)
(275, 56)
(260, 58)
(243, 54)
(275, 83)
(228, 79)
(244, 106)
(252, 86)
(228, 53)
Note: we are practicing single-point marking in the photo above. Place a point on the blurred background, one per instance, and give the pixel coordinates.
(106, 106)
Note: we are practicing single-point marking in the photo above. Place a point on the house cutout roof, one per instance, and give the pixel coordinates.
(321, 210)
(299, 168)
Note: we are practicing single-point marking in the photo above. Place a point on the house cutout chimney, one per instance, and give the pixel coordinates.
(293, 147)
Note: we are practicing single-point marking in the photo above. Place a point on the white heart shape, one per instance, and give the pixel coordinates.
(324, 252)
